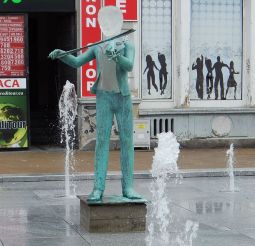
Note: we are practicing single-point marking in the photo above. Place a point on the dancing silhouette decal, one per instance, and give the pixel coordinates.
(151, 78)
(214, 71)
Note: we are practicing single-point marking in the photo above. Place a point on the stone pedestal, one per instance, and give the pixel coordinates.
(113, 214)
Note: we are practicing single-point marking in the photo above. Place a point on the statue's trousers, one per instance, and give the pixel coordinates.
(109, 104)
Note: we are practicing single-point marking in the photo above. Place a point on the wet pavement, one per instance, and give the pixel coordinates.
(43, 160)
(37, 213)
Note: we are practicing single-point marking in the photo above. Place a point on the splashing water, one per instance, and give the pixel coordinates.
(67, 114)
(186, 237)
(231, 164)
(159, 216)
(164, 164)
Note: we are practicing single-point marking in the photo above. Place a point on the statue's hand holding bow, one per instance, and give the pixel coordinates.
(55, 53)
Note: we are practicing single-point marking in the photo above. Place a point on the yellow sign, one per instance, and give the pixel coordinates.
(140, 126)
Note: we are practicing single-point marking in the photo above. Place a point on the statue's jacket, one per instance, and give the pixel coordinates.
(124, 64)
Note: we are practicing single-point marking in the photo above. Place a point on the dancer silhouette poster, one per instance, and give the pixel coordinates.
(156, 49)
(216, 50)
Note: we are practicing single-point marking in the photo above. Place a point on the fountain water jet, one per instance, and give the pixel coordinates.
(159, 216)
(67, 114)
(231, 164)
(186, 237)
(164, 164)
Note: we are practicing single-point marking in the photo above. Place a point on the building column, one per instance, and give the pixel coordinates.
(184, 51)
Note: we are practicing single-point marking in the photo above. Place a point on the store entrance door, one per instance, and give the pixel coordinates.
(47, 32)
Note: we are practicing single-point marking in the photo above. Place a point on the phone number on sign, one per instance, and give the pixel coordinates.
(11, 62)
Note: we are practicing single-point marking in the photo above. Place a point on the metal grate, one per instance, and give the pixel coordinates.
(161, 124)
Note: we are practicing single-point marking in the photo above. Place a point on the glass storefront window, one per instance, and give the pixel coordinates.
(156, 49)
(216, 50)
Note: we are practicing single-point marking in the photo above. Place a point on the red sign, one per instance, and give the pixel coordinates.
(90, 33)
(128, 8)
(12, 46)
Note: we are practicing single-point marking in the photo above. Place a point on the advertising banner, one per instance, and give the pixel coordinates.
(90, 33)
(13, 84)
(128, 8)
(13, 113)
(12, 46)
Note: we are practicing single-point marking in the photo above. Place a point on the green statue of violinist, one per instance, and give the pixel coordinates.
(114, 60)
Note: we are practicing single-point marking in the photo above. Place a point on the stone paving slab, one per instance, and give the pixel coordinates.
(57, 241)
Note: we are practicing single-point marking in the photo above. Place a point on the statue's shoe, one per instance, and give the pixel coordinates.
(96, 195)
(131, 194)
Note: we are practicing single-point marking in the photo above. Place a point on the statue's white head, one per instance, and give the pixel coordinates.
(110, 19)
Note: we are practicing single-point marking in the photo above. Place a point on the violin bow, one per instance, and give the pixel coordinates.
(97, 43)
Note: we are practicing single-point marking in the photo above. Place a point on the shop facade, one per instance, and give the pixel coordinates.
(194, 70)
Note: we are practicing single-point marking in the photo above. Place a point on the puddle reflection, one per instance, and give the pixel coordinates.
(213, 207)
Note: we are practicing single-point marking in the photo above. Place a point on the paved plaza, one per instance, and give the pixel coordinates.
(38, 214)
